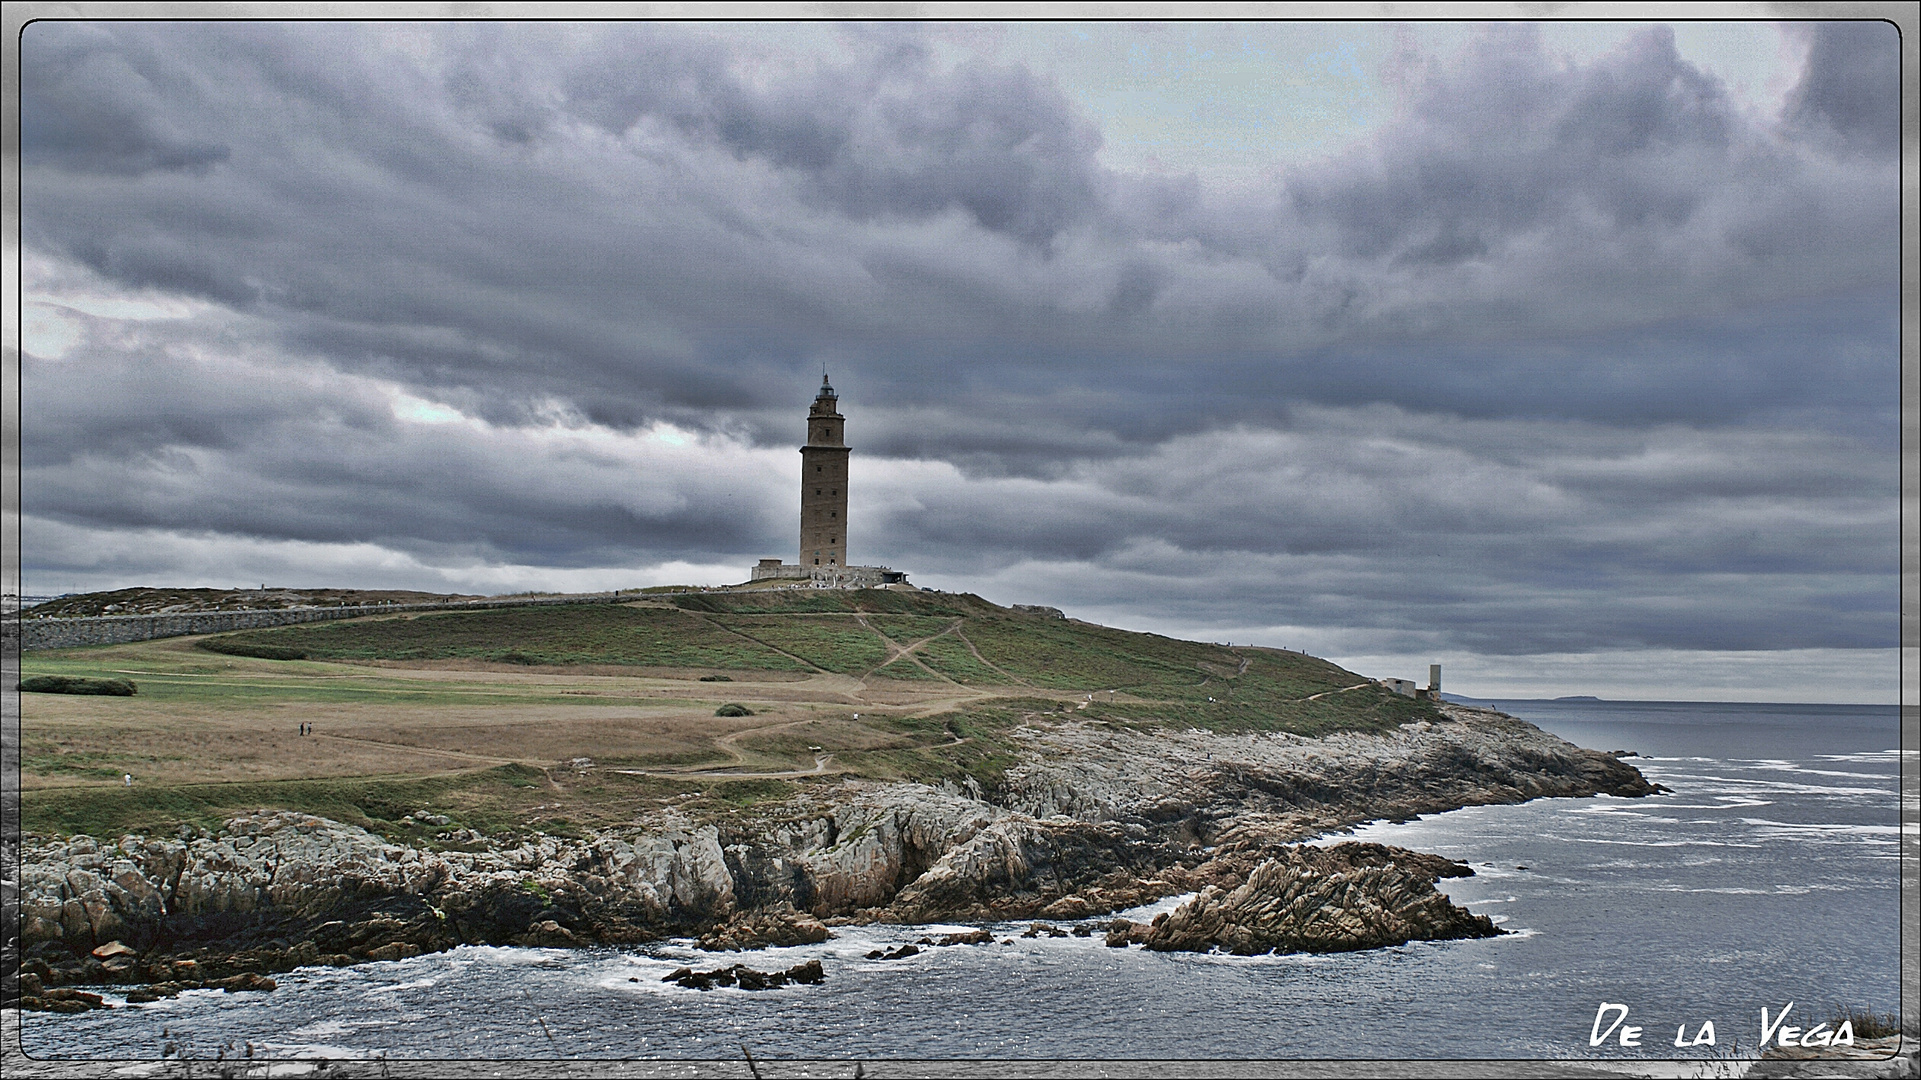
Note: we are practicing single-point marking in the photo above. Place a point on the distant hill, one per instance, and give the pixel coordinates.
(152, 601)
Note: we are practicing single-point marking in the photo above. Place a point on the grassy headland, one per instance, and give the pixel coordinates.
(561, 718)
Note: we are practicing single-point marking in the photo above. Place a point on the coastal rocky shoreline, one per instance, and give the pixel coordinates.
(1097, 819)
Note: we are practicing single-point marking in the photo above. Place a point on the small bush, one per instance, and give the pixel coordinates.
(516, 657)
(1868, 1024)
(731, 709)
(715, 678)
(230, 647)
(74, 684)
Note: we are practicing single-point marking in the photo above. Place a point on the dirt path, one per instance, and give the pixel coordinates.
(1342, 690)
(483, 759)
(820, 766)
(220, 675)
(986, 662)
(728, 744)
(895, 650)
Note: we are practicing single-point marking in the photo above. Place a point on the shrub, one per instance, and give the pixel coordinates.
(230, 647)
(731, 709)
(1867, 1023)
(74, 684)
(715, 678)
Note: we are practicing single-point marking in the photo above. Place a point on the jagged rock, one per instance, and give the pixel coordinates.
(246, 981)
(779, 928)
(141, 995)
(112, 949)
(53, 1005)
(549, 934)
(62, 1000)
(1067, 907)
(1311, 899)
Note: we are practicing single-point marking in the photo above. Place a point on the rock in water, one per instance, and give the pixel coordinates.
(779, 928)
(1309, 899)
(746, 978)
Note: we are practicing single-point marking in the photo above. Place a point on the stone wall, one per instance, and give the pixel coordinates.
(118, 629)
(854, 577)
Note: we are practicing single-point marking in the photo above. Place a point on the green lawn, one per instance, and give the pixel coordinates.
(833, 643)
(949, 656)
(574, 634)
(907, 629)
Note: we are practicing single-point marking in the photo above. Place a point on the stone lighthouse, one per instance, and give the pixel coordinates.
(823, 510)
(823, 482)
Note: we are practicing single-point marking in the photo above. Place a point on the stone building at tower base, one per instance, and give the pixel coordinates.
(827, 577)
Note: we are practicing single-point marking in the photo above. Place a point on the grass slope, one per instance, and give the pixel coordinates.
(559, 718)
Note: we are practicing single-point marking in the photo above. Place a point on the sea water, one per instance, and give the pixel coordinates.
(1767, 876)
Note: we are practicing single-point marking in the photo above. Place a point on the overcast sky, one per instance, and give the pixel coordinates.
(1566, 355)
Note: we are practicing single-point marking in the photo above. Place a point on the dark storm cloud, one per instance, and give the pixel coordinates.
(1509, 144)
(1549, 199)
(661, 233)
(90, 106)
(1844, 88)
(1562, 357)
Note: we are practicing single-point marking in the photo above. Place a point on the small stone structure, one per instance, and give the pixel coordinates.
(771, 569)
(828, 577)
(1408, 687)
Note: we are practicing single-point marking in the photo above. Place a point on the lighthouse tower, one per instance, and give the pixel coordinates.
(823, 483)
(823, 511)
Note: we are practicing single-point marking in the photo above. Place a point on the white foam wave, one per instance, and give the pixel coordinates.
(1146, 912)
(417, 984)
(312, 1051)
(514, 955)
(1651, 843)
(1785, 787)
(1853, 835)
(1827, 828)
(1789, 766)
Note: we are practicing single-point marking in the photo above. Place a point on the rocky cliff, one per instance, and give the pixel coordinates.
(1095, 820)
